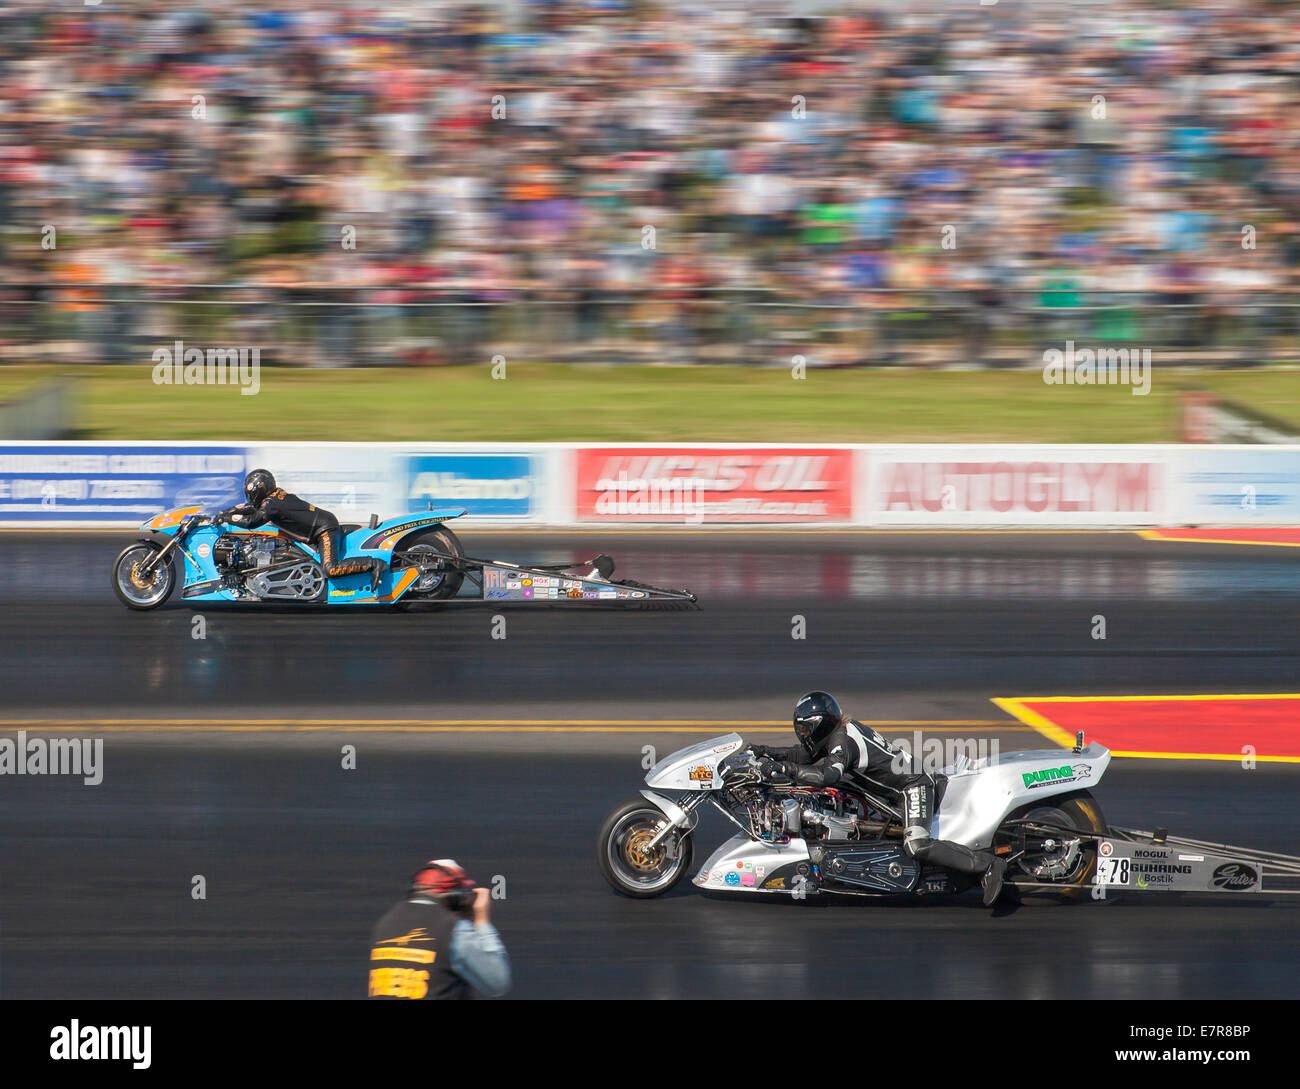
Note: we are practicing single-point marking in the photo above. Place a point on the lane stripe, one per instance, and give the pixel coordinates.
(464, 722)
(592, 726)
(1217, 537)
(1035, 721)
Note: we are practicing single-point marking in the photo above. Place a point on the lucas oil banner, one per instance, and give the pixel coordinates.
(698, 485)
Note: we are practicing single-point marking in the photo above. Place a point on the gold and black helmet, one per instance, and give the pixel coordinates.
(258, 485)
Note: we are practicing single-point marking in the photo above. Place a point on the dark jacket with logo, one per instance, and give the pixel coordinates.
(410, 953)
(288, 511)
(852, 750)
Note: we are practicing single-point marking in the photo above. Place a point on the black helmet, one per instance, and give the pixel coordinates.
(816, 716)
(258, 485)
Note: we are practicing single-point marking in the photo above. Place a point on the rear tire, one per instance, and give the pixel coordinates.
(135, 593)
(631, 872)
(438, 579)
(1061, 869)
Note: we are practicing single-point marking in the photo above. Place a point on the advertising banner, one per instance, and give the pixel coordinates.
(1024, 486)
(1255, 486)
(113, 483)
(701, 485)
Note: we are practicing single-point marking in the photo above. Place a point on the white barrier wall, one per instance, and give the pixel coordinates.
(878, 485)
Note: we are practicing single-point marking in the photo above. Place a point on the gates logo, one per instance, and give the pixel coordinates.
(490, 485)
(1234, 877)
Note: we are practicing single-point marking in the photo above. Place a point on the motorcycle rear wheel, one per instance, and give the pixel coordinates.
(632, 871)
(438, 579)
(1063, 865)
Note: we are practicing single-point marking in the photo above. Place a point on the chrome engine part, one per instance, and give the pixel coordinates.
(266, 566)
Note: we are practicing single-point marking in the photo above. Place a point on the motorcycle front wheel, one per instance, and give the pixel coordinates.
(628, 865)
(135, 589)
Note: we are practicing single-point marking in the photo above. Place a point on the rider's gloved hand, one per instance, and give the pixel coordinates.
(759, 751)
(773, 771)
(232, 514)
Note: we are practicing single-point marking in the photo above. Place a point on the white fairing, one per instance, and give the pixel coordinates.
(978, 799)
(744, 865)
(694, 767)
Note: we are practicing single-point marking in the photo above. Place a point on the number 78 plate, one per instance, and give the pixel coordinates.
(1113, 871)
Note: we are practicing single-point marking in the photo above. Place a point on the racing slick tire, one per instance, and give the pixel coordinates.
(135, 592)
(634, 873)
(1062, 869)
(441, 580)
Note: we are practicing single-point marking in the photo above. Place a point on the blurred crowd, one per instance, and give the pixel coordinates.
(528, 145)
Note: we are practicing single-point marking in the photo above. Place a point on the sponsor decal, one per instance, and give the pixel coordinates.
(732, 878)
(495, 578)
(1235, 877)
(747, 879)
(703, 875)
(694, 485)
(775, 883)
(1064, 774)
(702, 774)
(1191, 858)
(759, 870)
(386, 537)
(204, 550)
(589, 595)
(1106, 847)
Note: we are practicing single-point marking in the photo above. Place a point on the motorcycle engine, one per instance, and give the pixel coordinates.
(233, 553)
(816, 817)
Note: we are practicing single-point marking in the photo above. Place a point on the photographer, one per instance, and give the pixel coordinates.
(439, 941)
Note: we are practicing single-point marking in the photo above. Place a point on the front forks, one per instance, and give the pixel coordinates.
(687, 804)
(147, 568)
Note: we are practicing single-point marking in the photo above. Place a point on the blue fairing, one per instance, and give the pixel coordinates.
(201, 581)
(380, 540)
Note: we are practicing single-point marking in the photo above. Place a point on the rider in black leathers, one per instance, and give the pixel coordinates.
(267, 503)
(833, 746)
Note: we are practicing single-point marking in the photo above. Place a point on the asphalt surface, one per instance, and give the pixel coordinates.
(301, 856)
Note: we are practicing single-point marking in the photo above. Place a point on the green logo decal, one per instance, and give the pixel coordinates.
(1048, 775)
